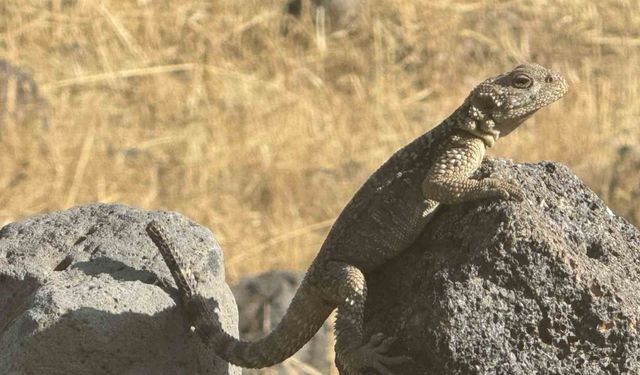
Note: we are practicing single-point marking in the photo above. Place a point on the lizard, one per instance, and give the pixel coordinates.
(382, 219)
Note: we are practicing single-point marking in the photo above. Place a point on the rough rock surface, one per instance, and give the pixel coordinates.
(82, 292)
(547, 286)
(262, 301)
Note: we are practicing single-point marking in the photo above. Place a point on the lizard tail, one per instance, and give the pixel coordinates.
(161, 239)
(304, 317)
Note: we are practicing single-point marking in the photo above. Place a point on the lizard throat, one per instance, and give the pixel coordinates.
(489, 139)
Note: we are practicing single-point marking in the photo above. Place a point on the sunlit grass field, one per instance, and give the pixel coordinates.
(210, 109)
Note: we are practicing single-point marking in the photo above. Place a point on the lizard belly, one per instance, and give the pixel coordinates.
(383, 231)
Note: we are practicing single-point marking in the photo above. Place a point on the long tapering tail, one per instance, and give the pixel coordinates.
(303, 318)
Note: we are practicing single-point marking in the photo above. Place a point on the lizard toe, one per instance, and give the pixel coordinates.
(385, 345)
(515, 194)
(376, 340)
(398, 360)
(382, 369)
(371, 355)
(381, 363)
(510, 191)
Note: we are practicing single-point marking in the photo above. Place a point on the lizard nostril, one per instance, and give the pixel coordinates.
(549, 79)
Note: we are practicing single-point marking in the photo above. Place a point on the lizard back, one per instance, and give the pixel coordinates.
(389, 210)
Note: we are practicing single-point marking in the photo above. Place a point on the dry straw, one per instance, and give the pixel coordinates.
(208, 108)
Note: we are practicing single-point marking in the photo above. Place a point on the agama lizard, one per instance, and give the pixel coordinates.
(382, 219)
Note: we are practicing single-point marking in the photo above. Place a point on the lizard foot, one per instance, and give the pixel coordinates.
(510, 191)
(371, 355)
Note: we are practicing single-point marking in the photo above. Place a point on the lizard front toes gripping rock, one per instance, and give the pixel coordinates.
(510, 191)
(371, 355)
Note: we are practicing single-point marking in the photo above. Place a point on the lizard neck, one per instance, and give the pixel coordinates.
(460, 121)
(476, 122)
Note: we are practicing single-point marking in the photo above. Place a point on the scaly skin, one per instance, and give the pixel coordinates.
(382, 219)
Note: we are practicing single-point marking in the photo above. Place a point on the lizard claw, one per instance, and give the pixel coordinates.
(371, 355)
(385, 345)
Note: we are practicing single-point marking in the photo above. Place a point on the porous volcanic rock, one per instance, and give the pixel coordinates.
(82, 291)
(550, 285)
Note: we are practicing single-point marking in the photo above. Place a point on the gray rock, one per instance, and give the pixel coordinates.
(262, 301)
(80, 294)
(547, 286)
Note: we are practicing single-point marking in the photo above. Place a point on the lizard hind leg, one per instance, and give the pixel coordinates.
(345, 285)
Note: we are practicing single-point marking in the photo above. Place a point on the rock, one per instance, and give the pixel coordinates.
(20, 99)
(262, 301)
(80, 294)
(547, 286)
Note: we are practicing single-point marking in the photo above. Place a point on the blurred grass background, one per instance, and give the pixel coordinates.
(207, 108)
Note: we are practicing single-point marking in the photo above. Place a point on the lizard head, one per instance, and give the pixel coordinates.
(502, 103)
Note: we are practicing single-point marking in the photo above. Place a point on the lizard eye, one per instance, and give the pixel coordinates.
(522, 81)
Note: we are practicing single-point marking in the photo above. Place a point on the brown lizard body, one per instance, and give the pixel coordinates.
(382, 219)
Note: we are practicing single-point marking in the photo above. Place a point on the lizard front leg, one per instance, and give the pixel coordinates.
(451, 191)
(345, 286)
(448, 180)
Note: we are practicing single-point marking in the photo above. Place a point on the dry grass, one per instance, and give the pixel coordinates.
(208, 109)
